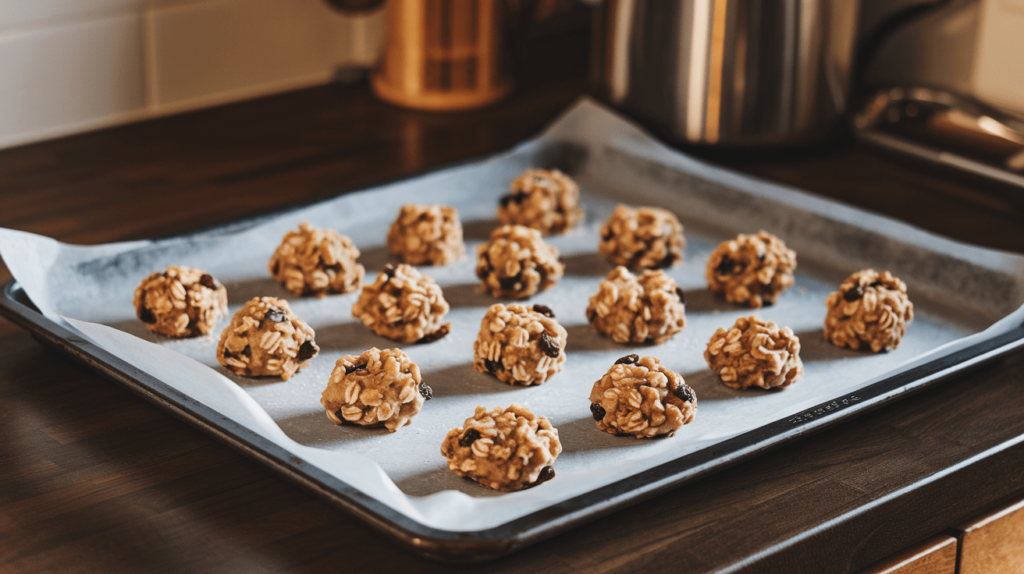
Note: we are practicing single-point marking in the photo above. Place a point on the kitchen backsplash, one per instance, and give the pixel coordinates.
(73, 65)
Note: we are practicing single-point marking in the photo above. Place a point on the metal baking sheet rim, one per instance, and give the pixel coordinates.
(495, 542)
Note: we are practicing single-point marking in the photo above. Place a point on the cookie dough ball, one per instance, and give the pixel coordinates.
(755, 353)
(870, 310)
(403, 305)
(650, 308)
(642, 398)
(374, 389)
(642, 238)
(506, 450)
(520, 345)
(314, 261)
(545, 200)
(180, 302)
(751, 269)
(427, 235)
(517, 263)
(265, 339)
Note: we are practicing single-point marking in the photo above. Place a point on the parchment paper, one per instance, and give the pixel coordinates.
(958, 292)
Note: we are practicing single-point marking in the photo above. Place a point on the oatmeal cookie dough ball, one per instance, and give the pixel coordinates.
(642, 238)
(180, 302)
(642, 398)
(427, 235)
(376, 388)
(314, 261)
(403, 305)
(516, 263)
(545, 200)
(751, 269)
(870, 310)
(755, 353)
(265, 339)
(506, 450)
(520, 345)
(650, 308)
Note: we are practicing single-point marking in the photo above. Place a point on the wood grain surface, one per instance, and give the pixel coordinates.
(994, 543)
(94, 479)
(935, 556)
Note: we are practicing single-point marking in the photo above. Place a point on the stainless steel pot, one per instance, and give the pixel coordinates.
(735, 73)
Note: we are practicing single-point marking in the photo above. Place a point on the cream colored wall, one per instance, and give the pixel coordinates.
(972, 47)
(72, 65)
(998, 76)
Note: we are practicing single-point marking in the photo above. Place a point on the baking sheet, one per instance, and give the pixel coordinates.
(961, 293)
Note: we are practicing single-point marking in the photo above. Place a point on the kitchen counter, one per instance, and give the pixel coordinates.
(93, 478)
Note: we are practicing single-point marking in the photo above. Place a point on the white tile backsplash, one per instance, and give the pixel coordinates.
(214, 51)
(68, 78)
(72, 65)
(29, 14)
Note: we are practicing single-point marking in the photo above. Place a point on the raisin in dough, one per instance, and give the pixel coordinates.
(650, 308)
(520, 345)
(545, 200)
(751, 269)
(314, 261)
(642, 238)
(181, 302)
(403, 305)
(643, 398)
(870, 310)
(427, 235)
(504, 449)
(516, 263)
(265, 339)
(755, 353)
(376, 388)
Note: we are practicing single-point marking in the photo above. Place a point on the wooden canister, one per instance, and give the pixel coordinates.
(443, 55)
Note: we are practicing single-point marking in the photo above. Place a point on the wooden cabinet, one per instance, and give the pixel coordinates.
(935, 556)
(991, 544)
(994, 544)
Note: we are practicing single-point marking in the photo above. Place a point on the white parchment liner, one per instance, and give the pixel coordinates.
(962, 294)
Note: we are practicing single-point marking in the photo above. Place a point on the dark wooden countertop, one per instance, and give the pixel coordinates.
(92, 478)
